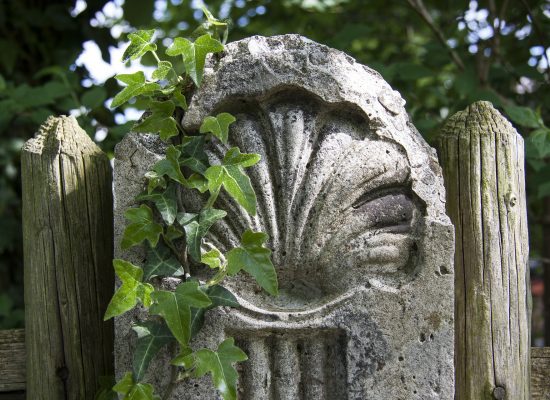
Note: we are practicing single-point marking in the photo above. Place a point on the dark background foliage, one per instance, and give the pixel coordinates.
(441, 56)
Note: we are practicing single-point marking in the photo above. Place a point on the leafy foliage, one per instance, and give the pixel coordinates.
(177, 237)
(142, 227)
(220, 364)
(130, 292)
(194, 54)
(255, 259)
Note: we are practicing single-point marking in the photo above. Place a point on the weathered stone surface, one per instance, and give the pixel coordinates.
(353, 200)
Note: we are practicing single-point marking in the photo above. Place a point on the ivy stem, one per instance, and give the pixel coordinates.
(212, 199)
(173, 375)
(156, 56)
(181, 259)
(220, 276)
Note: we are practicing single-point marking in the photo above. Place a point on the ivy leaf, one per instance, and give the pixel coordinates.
(152, 336)
(175, 308)
(235, 157)
(160, 120)
(131, 290)
(164, 202)
(105, 391)
(161, 262)
(163, 68)
(524, 116)
(136, 86)
(125, 384)
(179, 98)
(140, 43)
(212, 258)
(154, 180)
(172, 233)
(197, 228)
(220, 365)
(218, 125)
(134, 390)
(196, 181)
(255, 259)
(235, 182)
(170, 166)
(194, 54)
(194, 165)
(219, 296)
(142, 227)
(193, 147)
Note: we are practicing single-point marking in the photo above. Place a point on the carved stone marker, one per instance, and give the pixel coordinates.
(353, 200)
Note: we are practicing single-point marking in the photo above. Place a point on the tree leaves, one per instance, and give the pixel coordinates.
(524, 116)
(136, 86)
(218, 125)
(220, 364)
(161, 262)
(194, 54)
(152, 336)
(165, 203)
(140, 43)
(255, 259)
(196, 227)
(131, 290)
(170, 165)
(175, 308)
(142, 227)
(160, 120)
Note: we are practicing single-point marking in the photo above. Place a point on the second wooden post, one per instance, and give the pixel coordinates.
(483, 166)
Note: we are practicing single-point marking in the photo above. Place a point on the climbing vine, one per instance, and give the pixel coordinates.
(174, 237)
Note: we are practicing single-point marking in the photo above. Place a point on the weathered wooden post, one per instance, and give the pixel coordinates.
(483, 166)
(68, 231)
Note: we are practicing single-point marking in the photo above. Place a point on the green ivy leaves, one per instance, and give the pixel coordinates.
(140, 43)
(255, 259)
(235, 182)
(131, 390)
(173, 235)
(194, 54)
(131, 290)
(196, 227)
(137, 85)
(152, 336)
(160, 120)
(142, 227)
(218, 126)
(175, 308)
(220, 364)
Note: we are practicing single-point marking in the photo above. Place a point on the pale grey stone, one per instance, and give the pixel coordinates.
(353, 201)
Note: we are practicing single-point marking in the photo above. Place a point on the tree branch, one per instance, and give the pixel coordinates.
(420, 8)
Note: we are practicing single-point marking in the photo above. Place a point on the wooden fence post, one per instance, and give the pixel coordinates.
(68, 248)
(483, 167)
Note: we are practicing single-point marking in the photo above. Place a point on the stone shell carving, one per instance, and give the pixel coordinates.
(353, 200)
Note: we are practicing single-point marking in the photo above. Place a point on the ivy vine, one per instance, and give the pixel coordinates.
(174, 237)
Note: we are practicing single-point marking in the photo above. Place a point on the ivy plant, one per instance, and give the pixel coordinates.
(174, 237)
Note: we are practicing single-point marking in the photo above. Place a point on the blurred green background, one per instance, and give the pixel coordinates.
(59, 56)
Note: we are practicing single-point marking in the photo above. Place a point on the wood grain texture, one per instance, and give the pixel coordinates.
(12, 360)
(483, 166)
(540, 373)
(68, 239)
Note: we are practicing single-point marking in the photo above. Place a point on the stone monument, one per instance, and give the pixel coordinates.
(352, 198)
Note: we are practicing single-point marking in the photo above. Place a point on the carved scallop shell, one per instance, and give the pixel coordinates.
(338, 192)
